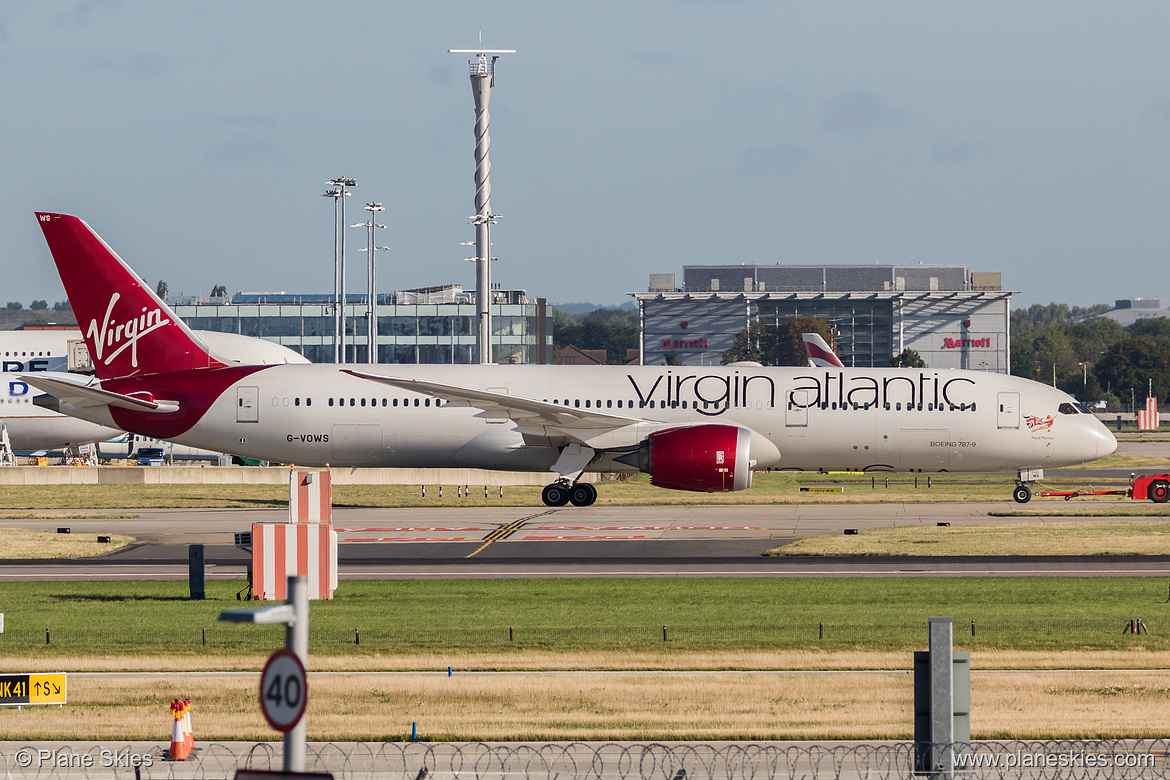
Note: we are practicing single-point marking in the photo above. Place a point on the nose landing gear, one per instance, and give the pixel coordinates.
(1023, 493)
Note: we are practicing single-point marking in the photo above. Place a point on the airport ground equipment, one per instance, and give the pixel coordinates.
(306, 544)
(1143, 487)
(195, 572)
(310, 496)
(285, 549)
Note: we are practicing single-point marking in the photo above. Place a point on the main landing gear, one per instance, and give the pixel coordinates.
(570, 465)
(560, 493)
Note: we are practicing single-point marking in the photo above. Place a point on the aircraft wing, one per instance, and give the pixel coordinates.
(528, 412)
(80, 395)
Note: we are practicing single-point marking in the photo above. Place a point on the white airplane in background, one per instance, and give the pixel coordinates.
(32, 428)
(701, 428)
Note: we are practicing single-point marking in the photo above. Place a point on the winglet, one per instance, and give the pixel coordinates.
(128, 329)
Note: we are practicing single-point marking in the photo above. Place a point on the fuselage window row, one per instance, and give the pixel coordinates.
(609, 404)
(388, 402)
(896, 407)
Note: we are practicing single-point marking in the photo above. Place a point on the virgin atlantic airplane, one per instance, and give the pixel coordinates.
(702, 429)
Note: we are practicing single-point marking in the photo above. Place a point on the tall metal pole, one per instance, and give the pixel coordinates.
(336, 195)
(344, 300)
(483, 77)
(296, 638)
(342, 182)
(372, 280)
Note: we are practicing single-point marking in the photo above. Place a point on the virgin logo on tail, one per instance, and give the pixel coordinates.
(122, 335)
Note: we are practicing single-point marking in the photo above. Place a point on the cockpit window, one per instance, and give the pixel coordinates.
(1067, 408)
(1082, 409)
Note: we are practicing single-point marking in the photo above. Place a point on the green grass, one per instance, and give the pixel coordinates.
(767, 488)
(402, 617)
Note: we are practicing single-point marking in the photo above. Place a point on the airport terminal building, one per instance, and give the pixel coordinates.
(952, 317)
(432, 325)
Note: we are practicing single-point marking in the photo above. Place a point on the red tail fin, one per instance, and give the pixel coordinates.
(129, 331)
(819, 353)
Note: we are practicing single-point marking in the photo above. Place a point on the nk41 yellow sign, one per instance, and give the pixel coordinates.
(21, 689)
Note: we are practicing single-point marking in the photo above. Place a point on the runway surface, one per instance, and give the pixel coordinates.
(656, 541)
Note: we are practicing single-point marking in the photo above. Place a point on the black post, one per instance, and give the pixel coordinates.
(195, 576)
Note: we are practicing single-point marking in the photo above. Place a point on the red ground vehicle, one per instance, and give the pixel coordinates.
(1155, 487)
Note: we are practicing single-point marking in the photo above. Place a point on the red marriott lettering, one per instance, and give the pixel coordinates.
(684, 344)
(957, 343)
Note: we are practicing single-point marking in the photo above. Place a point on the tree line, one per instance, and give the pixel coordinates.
(614, 330)
(1094, 360)
(40, 305)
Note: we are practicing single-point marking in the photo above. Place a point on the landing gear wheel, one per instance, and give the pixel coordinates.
(1159, 491)
(1022, 494)
(582, 494)
(555, 494)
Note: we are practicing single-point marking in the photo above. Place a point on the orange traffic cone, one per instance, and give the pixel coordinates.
(187, 724)
(179, 749)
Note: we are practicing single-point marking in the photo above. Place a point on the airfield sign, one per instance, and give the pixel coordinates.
(283, 690)
(17, 690)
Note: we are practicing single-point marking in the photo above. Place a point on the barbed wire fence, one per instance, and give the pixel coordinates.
(1018, 760)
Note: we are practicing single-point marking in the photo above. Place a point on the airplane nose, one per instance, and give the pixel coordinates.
(1106, 441)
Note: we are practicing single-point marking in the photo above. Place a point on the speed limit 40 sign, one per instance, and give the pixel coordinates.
(283, 690)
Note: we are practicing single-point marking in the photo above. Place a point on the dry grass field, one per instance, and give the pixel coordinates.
(1136, 658)
(19, 543)
(609, 706)
(1117, 537)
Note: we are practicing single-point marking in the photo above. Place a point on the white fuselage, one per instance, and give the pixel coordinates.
(800, 418)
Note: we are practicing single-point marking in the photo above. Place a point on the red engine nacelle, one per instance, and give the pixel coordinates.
(707, 458)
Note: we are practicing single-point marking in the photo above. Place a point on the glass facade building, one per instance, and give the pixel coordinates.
(407, 332)
(953, 318)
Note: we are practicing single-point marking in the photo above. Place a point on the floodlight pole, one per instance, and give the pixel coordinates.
(341, 183)
(336, 195)
(483, 77)
(372, 279)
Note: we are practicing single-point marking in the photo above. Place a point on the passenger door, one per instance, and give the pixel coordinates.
(248, 404)
(796, 415)
(1009, 410)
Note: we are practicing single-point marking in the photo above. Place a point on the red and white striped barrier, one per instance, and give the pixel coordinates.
(1148, 419)
(281, 550)
(310, 496)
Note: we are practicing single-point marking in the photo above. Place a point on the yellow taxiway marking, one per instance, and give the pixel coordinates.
(504, 531)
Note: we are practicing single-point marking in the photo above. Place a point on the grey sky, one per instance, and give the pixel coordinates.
(627, 139)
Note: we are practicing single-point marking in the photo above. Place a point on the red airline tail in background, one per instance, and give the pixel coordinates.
(819, 353)
(128, 329)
